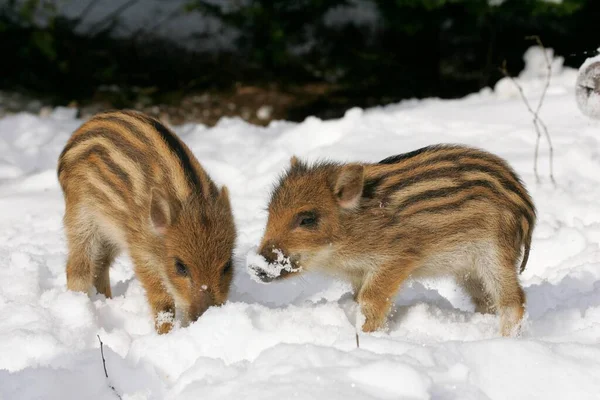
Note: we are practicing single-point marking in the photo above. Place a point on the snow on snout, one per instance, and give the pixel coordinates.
(261, 271)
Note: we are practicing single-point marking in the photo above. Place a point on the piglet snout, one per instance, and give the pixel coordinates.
(268, 252)
(202, 300)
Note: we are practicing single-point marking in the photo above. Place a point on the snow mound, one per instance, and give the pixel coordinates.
(536, 63)
(533, 78)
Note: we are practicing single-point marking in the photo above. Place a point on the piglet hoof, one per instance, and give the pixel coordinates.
(164, 328)
(164, 322)
(511, 319)
(371, 325)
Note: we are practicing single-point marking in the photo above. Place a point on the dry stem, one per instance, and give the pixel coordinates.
(104, 365)
(538, 124)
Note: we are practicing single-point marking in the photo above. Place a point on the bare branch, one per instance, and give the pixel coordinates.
(145, 31)
(548, 70)
(357, 319)
(538, 124)
(86, 11)
(104, 365)
(537, 150)
(97, 27)
(541, 102)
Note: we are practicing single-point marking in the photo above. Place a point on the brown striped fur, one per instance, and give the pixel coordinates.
(439, 210)
(130, 184)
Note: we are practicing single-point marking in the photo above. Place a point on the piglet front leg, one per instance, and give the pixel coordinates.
(161, 303)
(378, 291)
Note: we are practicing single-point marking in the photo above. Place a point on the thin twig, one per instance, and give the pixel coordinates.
(85, 12)
(111, 17)
(541, 102)
(538, 124)
(153, 29)
(356, 328)
(104, 365)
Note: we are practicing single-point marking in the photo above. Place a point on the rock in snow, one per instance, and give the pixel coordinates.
(587, 91)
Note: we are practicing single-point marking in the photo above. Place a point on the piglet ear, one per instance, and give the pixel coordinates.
(224, 197)
(160, 212)
(349, 186)
(294, 161)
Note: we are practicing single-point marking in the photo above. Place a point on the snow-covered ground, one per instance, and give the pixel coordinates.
(296, 339)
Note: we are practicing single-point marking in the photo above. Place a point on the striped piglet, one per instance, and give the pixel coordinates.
(130, 183)
(439, 210)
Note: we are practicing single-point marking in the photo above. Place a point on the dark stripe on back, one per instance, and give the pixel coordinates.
(445, 192)
(102, 153)
(119, 141)
(106, 179)
(410, 154)
(115, 138)
(458, 158)
(127, 125)
(500, 166)
(176, 147)
(448, 207)
(455, 172)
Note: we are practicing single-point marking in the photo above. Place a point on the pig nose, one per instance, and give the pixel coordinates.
(202, 301)
(268, 253)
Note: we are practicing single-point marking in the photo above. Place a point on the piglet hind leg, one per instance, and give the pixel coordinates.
(89, 258)
(102, 262)
(80, 269)
(378, 291)
(475, 288)
(502, 284)
(356, 280)
(511, 307)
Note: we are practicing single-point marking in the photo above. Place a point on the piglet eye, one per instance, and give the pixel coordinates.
(181, 268)
(307, 219)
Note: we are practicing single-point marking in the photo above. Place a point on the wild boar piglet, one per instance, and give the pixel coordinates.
(442, 210)
(131, 184)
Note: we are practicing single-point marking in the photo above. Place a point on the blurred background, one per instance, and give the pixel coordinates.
(200, 60)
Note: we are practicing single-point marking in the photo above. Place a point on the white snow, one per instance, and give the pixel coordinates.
(296, 338)
(537, 59)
